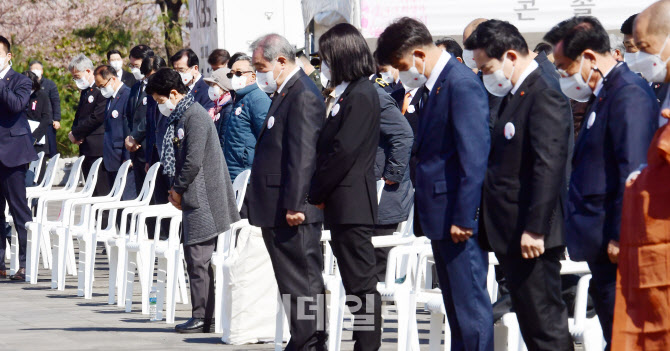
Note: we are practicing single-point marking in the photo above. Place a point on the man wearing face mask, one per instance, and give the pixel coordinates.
(245, 122)
(387, 78)
(186, 63)
(522, 207)
(117, 125)
(16, 151)
(88, 127)
(52, 91)
(115, 60)
(449, 173)
(613, 142)
(276, 200)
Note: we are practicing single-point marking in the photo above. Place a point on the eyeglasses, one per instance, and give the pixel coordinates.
(237, 74)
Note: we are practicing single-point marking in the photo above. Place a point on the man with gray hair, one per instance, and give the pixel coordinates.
(88, 127)
(616, 47)
(281, 172)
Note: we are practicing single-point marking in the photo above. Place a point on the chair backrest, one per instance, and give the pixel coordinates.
(408, 226)
(35, 167)
(75, 173)
(92, 178)
(120, 181)
(380, 189)
(149, 183)
(240, 187)
(50, 173)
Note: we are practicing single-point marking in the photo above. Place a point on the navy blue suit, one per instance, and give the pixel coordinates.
(201, 95)
(16, 151)
(613, 142)
(449, 178)
(117, 128)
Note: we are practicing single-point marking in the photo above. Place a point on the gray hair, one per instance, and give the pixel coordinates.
(616, 42)
(272, 46)
(80, 63)
(244, 58)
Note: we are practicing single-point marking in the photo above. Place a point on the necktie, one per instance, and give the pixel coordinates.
(405, 103)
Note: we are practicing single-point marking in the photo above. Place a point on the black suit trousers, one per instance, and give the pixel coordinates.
(13, 191)
(297, 261)
(102, 187)
(352, 246)
(201, 278)
(535, 288)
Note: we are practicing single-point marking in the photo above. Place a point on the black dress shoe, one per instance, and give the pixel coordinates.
(19, 275)
(194, 325)
(3, 273)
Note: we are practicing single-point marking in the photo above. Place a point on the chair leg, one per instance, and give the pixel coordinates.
(70, 262)
(70, 242)
(113, 254)
(279, 326)
(173, 280)
(59, 241)
(46, 249)
(336, 317)
(161, 280)
(14, 261)
(122, 268)
(130, 279)
(90, 268)
(33, 252)
(401, 300)
(218, 297)
(81, 272)
(181, 275)
(435, 336)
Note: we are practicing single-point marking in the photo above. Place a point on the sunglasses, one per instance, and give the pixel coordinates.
(237, 74)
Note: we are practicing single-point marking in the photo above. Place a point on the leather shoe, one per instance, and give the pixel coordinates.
(3, 273)
(194, 325)
(19, 275)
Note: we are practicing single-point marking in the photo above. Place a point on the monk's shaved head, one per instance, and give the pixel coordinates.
(655, 20)
(471, 27)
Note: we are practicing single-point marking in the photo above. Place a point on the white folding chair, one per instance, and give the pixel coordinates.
(48, 181)
(170, 270)
(34, 169)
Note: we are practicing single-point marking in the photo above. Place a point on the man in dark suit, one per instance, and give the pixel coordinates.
(88, 126)
(16, 151)
(613, 142)
(522, 207)
(449, 173)
(185, 62)
(137, 115)
(117, 125)
(115, 60)
(50, 88)
(280, 179)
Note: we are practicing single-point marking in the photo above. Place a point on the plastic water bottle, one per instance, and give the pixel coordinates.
(152, 304)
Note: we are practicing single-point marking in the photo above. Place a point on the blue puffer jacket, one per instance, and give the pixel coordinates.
(243, 126)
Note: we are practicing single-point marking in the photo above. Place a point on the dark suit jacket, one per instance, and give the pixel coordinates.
(39, 110)
(117, 127)
(201, 96)
(137, 115)
(344, 178)
(608, 149)
(453, 146)
(49, 87)
(88, 124)
(412, 116)
(16, 141)
(153, 116)
(525, 181)
(128, 78)
(286, 155)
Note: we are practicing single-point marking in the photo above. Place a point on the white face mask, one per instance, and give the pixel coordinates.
(136, 73)
(387, 77)
(117, 65)
(238, 82)
(82, 83)
(3, 60)
(575, 87)
(412, 78)
(38, 73)
(469, 59)
(497, 83)
(214, 93)
(323, 79)
(630, 58)
(652, 67)
(186, 78)
(166, 108)
(266, 80)
(325, 71)
(107, 91)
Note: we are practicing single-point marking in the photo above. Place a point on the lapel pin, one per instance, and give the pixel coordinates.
(523, 93)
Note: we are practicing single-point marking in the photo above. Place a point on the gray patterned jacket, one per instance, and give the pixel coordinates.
(208, 200)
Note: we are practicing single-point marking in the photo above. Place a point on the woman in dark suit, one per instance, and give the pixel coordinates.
(39, 111)
(344, 183)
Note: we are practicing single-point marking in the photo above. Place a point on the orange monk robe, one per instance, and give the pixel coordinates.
(642, 309)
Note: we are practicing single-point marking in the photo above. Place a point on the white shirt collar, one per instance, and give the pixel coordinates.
(437, 69)
(4, 72)
(601, 82)
(290, 75)
(119, 74)
(532, 66)
(117, 91)
(413, 92)
(92, 84)
(190, 87)
(339, 90)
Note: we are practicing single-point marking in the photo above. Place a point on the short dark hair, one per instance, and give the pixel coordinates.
(105, 71)
(152, 63)
(544, 47)
(33, 77)
(578, 34)
(112, 52)
(192, 57)
(218, 57)
(141, 52)
(32, 62)
(4, 42)
(399, 37)
(451, 45)
(164, 81)
(347, 54)
(496, 37)
(627, 26)
(236, 56)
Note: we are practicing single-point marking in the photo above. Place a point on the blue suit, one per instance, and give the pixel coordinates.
(16, 151)
(201, 95)
(117, 128)
(613, 142)
(453, 144)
